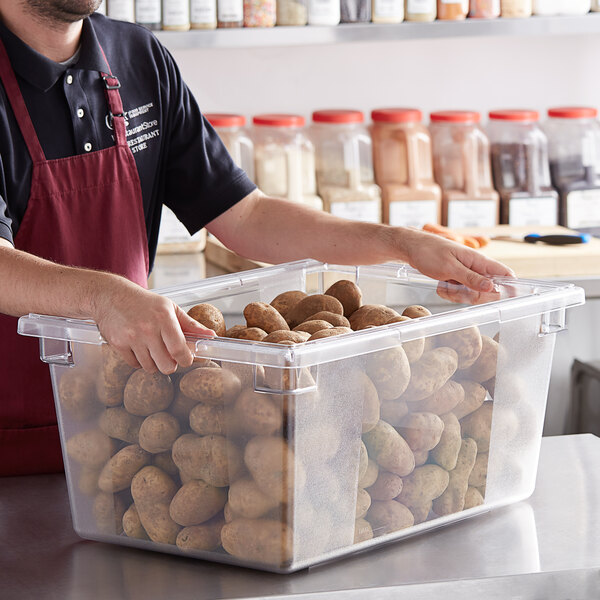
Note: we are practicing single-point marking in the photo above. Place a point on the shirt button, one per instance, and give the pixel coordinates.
(80, 113)
(69, 79)
(87, 147)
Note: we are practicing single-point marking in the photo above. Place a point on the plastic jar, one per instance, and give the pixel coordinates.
(149, 13)
(452, 10)
(520, 168)
(403, 168)
(203, 14)
(484, 9)
(323, 12)
(561, 7)
(260, 13)
(388, 11)
(596, 5)
(420, 10)
(231, 130)
(292, 12)
(461, 166)
(230, 13)
(175, 15)
(355, 11)
(284, 159)
(574, 151)
(122, 10)
(344, 165)
(516, 8)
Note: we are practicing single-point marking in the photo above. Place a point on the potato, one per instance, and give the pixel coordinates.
(321, 442)
(474, 396)
(473, 498)
(196, 502)
(158, 432)
(430, 373)
(284, 302)
(422, 431)
(289, 379)
(386, 446)
(206, 537)
(363, 460)
(248, 501)
(467, 343)
(363, 502)
(453, 498)
(416, 311)
(77, 394)
(119, 424)
(132, 526)
(212, 458)
(325, 333)
(261, 540)
(283, 335)
(367, 394)
(446, 452)
(386, 487)
(484, 367)
(478, 426)
(414, 349)
(233, 331)
(274, 467)
(337, 320)
(313, 326)
(371, 314)
(112, 377)
(254, 334)
(91, 448)
(207, 419)
(390, 372)
(265, 317)
(310, 305)
(478, 475)
(211, 386)
(108, 511)
(118, 472)
(348, 293)
(393, 411)
(164, 461)
(257, 413)
(147, 393)
(370, 475)
(362, 531)
(423, 485)
(444, 400)
(421, 511)
(421, 457)
(249, 375)
(209, 316)
(87, 482)
(182, 406)
(388, 516)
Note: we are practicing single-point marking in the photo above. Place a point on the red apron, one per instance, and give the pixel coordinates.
(84, 211)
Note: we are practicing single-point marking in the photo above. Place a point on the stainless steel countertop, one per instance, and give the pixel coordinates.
(547, 547)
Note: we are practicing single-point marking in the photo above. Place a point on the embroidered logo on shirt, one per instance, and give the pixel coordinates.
(139, 134)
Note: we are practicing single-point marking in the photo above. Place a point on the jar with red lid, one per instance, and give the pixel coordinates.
(461, 166)
(520, 168)
(284, 158)
(574, 151)
(403, 167)
(344, 165)
(231, 130)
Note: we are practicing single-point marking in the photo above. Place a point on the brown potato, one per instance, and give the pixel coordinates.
(367, 393)
(422, 431)
(371, 314)
(313, 326)
(205, 537)
(206, 419)
(415, 348)
(233, 331)
(337, 320)
(387, 486)
(147, 393)
(196, 502)
(158, 432)
(386, 446)
(478, 426)
(246, 500)
(91, 448)
(211, 386)
(249, 375)
(209, 316)
(484, 367)
(423, 485)
(87, 482)
(390, 372)
(473, 398)
(310, 305)
(442, 401)
(254, 334)
(393, 411)
(132, 526)
(257, 413)
(348, 293)
(117, 423)
(363, 502)
(77, 394)
(283, 335)
(108, 510)
(325, 333)
(370, 475)
(430, 373)
(416, 311)
(446, 452)
(467, 343)
(284, 302)
(478, 475)
(363, 460)
(265, 317)
(118, 472)
(112, 377)
(164, 461)
(473, 498)
(421, 457)
(388, 516)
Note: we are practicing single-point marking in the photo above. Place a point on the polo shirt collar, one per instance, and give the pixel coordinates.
(42, 72)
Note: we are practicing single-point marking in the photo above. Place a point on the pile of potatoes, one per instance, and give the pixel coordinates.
(201, 460)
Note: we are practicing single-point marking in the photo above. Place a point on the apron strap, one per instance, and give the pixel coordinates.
(13, 92)
(115, 104)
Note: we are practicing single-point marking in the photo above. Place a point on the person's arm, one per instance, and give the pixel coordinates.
(145, 327)
(275, 231)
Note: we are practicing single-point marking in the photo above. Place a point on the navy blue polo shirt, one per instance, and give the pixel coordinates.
(180, 159)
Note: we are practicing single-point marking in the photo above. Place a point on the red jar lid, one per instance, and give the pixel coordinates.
(279, 120)
(455, 116)
(396, 115)
(514, 115)
(225, 120)
(573, 112)
(338, 116)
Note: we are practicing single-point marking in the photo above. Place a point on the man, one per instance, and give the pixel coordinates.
(97, 131)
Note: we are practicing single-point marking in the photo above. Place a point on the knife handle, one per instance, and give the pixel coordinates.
(558, 239)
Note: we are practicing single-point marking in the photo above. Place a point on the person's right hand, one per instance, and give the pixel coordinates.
(145, 328)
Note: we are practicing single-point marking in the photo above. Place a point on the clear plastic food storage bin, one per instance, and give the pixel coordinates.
(279, 456)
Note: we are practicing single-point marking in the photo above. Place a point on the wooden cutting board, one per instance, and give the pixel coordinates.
(534, 261)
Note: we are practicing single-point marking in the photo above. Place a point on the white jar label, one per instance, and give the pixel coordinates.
(472, 213)
(230, 11)
(359, 210)
(123, 10)
(176, 13)
(172, 230)
(421, 7)
(414, 213)
(583, 209)
(324, 9)
(203, 11)
(147, 11)
(388, 9)
(533, 211)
